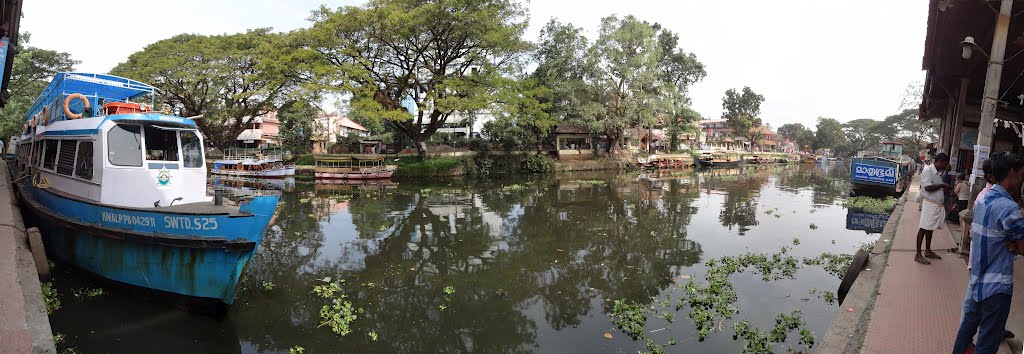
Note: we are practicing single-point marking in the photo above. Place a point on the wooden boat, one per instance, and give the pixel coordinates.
(258, 163)
(708, 159)
(809, 159)
(352, 168)
(120, 191)
(886, 171)
(662, 162)
(760, 160)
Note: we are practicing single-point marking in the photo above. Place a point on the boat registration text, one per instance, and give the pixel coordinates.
(171, 222)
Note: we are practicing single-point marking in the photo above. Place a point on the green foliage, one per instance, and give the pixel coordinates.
(296, 350)
(305, 160)
(829, 134)
(905, 127)
(861, 135)
(32, 70)
(84, 293)
(226, 78)
(870, 205)
(431, 167)
(373, 336)
(486, 165)
(50, 297)
(741, 111)
(835, 264)
(298, 126)
(632, 73)
(443, 56)
(339, 313)
(267, 286)
(630, 318)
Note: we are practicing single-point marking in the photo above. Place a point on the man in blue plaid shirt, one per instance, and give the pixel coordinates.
(997, 224)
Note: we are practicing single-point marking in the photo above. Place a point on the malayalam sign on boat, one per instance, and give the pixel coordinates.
(870, 173)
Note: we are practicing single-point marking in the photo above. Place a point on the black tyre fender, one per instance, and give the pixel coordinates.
(859, 261)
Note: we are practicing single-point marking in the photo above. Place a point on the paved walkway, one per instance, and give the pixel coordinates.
(918, 306)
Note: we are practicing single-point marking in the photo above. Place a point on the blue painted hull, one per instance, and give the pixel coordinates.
(200, 255)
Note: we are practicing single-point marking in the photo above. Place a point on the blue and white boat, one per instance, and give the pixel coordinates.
(120, 191)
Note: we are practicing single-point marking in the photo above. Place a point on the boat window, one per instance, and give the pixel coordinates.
(191, 149)
(83, 165)
(161, 144)
(124, 145)
(66, 160)
(50, 154)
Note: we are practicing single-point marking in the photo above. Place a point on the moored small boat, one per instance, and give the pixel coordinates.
(120, 191)
(709, 159)
(662, 162)
(352, 167)
(258, 163)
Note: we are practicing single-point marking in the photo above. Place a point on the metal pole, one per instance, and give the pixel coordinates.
(990, 99)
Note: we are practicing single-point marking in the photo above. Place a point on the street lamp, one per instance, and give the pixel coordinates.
(969, 46)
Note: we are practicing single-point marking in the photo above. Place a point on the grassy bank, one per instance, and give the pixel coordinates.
(410, 166)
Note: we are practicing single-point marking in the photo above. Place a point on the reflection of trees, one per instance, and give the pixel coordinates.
(554, 243)
(741, 186)
(828, 183)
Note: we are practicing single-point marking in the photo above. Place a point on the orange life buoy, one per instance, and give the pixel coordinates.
(67, 101)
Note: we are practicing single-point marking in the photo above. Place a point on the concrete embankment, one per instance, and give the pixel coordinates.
(24, 326)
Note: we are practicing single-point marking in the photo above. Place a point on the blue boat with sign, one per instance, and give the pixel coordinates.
(885, 171)
(120, 190)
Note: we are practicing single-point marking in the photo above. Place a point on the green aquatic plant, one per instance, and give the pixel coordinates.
(833, 263)
(50, 297)
(630, 318)
(339, 313)
(267, 286)
(796, 241)
(814, 227)
(373, 336)
(870, 205)
(83, 293)
(296, 350)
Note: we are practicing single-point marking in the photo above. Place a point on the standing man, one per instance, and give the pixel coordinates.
(933, 209)
(997, 224)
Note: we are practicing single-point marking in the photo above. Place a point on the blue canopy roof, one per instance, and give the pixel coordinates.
(94, 86)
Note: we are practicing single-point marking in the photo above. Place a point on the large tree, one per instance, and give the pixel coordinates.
(633, 75)
(860, 136)
(225, 78)
(828, 134)
(32, 71)
(797, 134)
(907, 128)
(741, 111)
(412, 63)
(298, 125)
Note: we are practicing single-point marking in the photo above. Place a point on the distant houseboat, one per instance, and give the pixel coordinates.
(709, 159)
(352, 168)
(885, 171)
(258, 163)
(120, 191)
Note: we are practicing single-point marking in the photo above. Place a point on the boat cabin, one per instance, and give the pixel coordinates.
(94, 137)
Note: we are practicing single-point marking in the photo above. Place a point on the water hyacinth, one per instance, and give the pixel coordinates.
(870, 205)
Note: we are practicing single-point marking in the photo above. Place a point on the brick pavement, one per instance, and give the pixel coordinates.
(917, 309)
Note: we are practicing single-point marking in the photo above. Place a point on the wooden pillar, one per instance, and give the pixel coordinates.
(945, 127)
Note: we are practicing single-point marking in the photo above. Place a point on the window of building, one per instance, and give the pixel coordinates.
(161, 145)
(124, 145)
(66, 159)
(84, 163)
(50, 153)
(191, 149)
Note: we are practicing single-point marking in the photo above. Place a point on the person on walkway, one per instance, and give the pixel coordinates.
(962, 192)
(933, 211)
(997, 219)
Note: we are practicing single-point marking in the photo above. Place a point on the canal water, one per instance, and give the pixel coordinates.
(530, 266)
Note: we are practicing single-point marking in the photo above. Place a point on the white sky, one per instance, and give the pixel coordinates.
(809, 58)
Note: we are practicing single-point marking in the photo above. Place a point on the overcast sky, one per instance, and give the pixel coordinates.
(809, 58)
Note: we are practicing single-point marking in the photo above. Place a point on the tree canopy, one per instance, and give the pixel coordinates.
(741, 111)
(227, 79)
(414, 64)
(861, 135)
(907, 128)
(633, 75)
(32, 71)
(828, 134)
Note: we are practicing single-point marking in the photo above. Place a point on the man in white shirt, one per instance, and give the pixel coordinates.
(933, 191)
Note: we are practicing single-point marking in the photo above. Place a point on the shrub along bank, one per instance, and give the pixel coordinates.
(480, 165)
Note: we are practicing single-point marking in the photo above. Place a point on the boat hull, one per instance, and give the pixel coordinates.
(287, 171)
(355, 175)
(196, 255)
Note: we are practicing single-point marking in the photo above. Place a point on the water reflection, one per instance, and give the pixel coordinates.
(533, 262)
